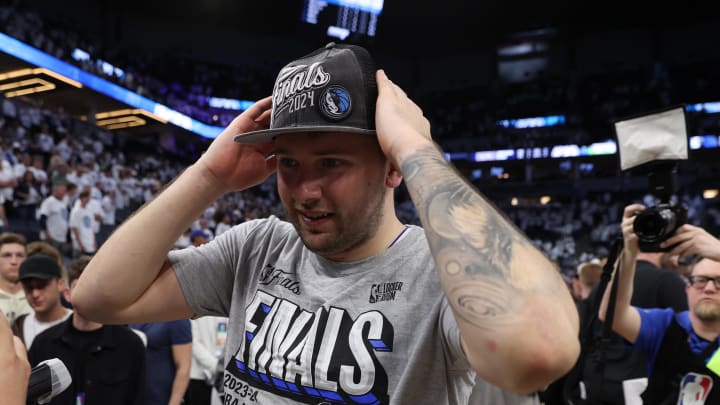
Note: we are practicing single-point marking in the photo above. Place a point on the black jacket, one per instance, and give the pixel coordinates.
(114, 371)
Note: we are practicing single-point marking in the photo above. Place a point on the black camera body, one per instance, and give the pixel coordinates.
(658, 223)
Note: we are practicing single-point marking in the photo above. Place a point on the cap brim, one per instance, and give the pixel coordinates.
(41, 276)
(268, 135)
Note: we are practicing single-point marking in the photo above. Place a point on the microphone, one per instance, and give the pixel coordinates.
(47, 380)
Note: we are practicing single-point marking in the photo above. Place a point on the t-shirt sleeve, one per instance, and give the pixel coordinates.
(180, 332)
(207, 273)
(653, 325)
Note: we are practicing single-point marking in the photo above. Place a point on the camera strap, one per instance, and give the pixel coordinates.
(594, 385)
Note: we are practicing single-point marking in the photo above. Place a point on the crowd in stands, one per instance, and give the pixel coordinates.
(40, 148)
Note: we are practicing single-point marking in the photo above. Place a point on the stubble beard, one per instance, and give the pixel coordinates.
(707, 311)
(348, 233)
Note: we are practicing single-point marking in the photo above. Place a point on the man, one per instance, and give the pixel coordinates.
(198, 237)
(344, 303)
(168, 358)
(208, 343)
(53, 214)
(106, 362)
(82, 231)
(656, 288)
(42, 281)
(677, 344)
(587, 277)
(12, 297)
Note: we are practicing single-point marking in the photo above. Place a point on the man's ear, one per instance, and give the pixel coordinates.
(67, 294)
(394, 177)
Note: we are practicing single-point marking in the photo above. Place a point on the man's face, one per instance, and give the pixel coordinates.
(705, 302)
(332, 187)
(43, 295)
(11, 256)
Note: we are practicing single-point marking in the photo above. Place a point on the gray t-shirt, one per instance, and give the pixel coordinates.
(304, 329)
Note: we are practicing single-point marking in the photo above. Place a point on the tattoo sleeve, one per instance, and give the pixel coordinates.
(473, 243)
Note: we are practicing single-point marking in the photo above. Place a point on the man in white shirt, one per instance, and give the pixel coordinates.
(7, 183)
(13, 249)
(82, 229)
(53, 215)
(42, 281)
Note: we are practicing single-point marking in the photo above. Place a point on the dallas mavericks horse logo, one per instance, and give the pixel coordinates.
(335, 103)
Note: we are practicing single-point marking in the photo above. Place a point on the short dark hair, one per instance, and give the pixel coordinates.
(77, 267)
(7, 238)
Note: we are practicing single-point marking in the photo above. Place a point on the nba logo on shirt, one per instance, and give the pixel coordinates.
(694, 389)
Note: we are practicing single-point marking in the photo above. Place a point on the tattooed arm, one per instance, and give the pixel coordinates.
(518, 323)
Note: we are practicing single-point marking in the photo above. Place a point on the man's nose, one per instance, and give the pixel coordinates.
(310, 188)
(711, 285)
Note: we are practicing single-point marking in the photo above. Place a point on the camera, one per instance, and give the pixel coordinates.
(658, 223)
(655, 143)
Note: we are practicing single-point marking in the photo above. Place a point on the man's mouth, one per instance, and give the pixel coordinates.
(314, 218)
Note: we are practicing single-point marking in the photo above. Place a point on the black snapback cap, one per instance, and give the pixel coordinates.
(330, 89)
(39, 266)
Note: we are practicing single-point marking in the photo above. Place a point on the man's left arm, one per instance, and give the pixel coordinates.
(518, 322)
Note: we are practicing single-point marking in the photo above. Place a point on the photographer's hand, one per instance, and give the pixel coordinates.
(630, 239)
(14, 366)
(693, 240)
(627, 319)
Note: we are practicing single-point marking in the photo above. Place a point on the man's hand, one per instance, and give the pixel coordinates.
(693, 240)
(630, 238)
(401, 126)
(234, 166)
(14, 366)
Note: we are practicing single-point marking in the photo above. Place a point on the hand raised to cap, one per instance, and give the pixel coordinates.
(401, 126)
(234, 166)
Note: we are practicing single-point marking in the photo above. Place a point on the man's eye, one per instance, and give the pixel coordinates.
(285, 162)
(331, 162)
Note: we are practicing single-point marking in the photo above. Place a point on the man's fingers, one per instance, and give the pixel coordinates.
(384, 83)
(630, 210)
(260, 106)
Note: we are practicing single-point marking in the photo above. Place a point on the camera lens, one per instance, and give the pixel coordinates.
(654, 225)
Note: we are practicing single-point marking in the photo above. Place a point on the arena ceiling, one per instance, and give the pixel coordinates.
(217, 29)
(406, 27)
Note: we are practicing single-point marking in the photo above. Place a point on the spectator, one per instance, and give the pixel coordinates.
(106, 362)
(209, 334)
(81, 226)
(12, 297)
(198, 237)
(53, 214)
(42, 281)
(168, 359)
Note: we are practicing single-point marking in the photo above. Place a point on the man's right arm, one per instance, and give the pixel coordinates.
(128, 279)
(626, 320)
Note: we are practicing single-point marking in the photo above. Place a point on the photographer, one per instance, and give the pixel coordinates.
(676, 344)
